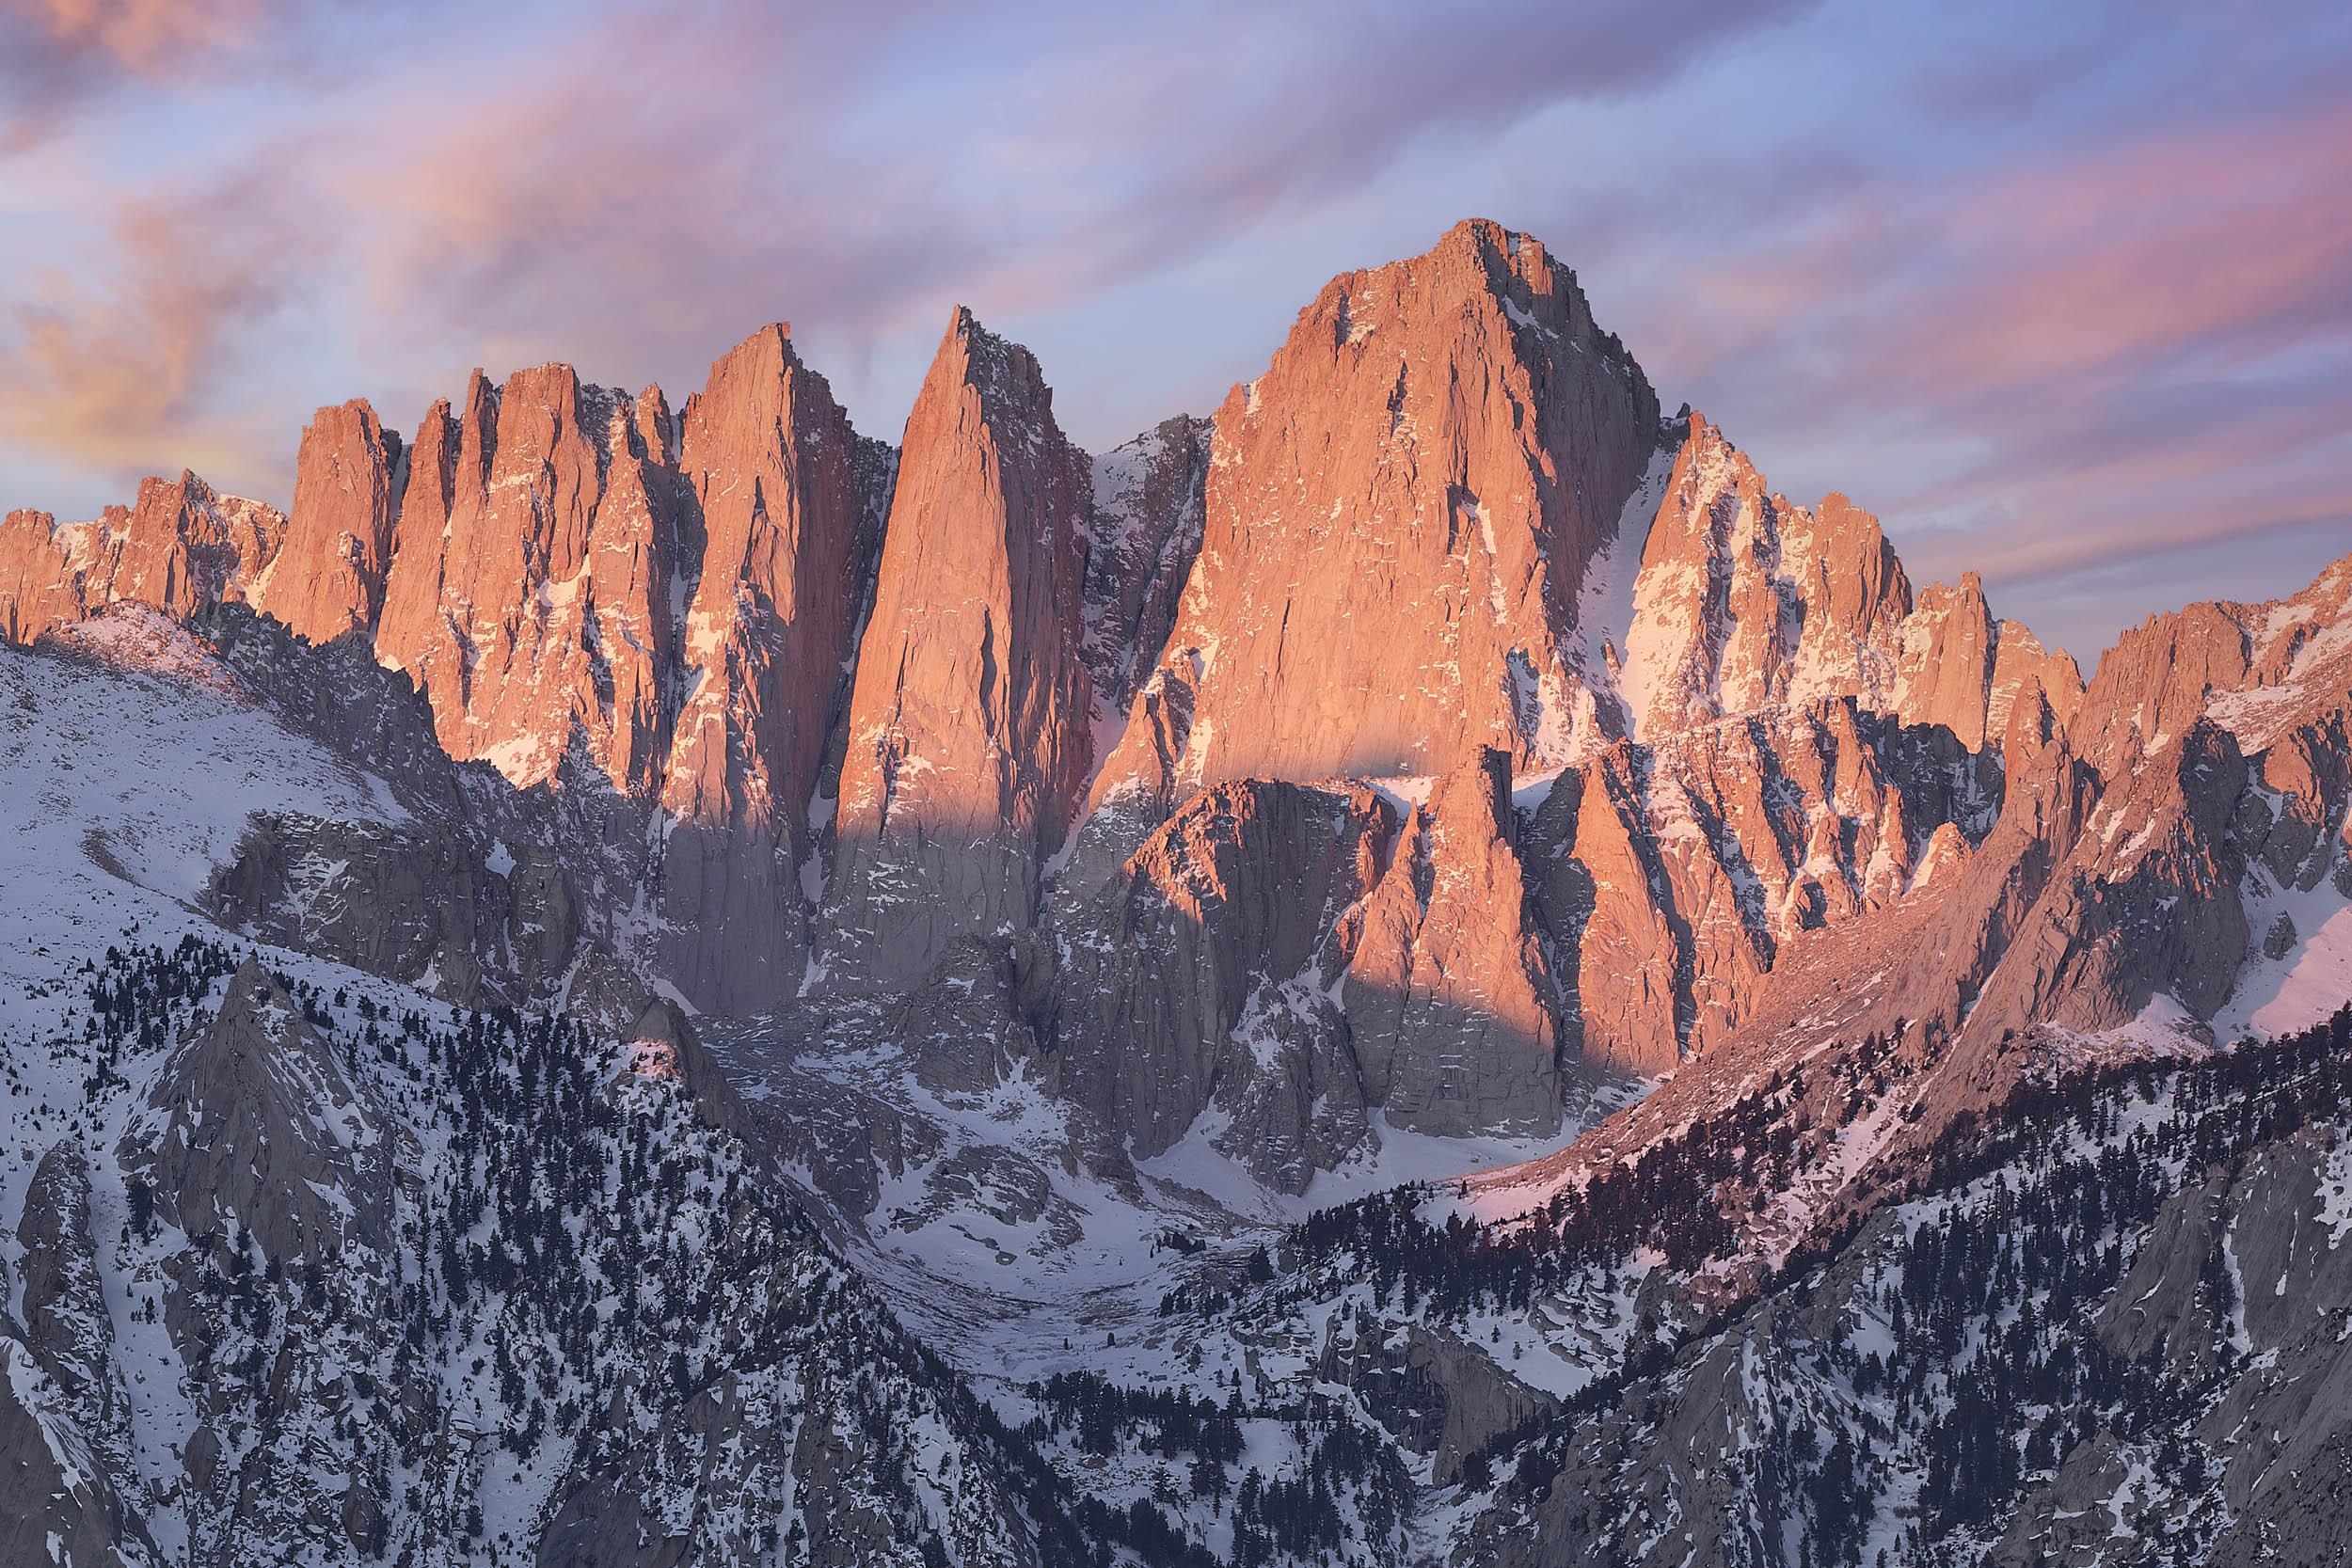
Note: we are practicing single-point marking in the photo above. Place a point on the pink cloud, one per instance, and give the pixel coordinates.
(139, 35)
(2139, 346)
(633, 192)
(133, 369)
(56, 52)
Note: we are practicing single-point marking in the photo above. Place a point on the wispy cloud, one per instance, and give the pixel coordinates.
(136, 368)
(2039, 288)
(630, 191)
(2133, 345)
(54, 53)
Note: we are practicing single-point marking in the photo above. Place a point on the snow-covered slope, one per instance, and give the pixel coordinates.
(1420, 971)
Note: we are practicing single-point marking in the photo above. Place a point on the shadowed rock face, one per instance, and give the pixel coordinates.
(1143, 535)
(414, 905)
(260, 1123)
(56, 1503)
(970, 728)
(67, 1324)
(1203, 974)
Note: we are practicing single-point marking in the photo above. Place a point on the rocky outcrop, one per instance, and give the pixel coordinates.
(57, 1502)
(179, 548)
(970, 1028)
(1204, 975)
(1745, 601)
(1947, 659)
(970, 729)
(1431, 1392)
(42, 569)
(1671, 878)
(1400, 514)
(1449, 999)
(258, 1126)
(1143, 534)
(2147, 902)
(2287, 1455)
(184, 546)
(66, 1319)
(327, 577)
(421, 907)
(1988, 682)
(2034, 693)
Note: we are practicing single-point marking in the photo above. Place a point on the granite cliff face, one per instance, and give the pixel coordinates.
(1399, 518)
(181, 546)
(1143, 534)
(1448, 521)
(327, 577)
(1449, 999)
(783, 495)
(970, 726)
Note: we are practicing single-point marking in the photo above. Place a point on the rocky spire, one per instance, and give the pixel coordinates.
(327, 579)
(258, 1125)
(970, 733)
(772, 513)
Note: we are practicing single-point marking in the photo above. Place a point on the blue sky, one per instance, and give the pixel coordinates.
(2064, 293)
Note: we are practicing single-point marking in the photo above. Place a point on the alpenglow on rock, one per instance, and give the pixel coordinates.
(970, 726)
(179, 548)
(1449, 996)
(327, 577)
(884, 712)
(1745, 601)
(1400, 514)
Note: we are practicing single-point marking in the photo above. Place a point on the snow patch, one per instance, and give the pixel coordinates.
(1599, 649)
(2278, 996)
